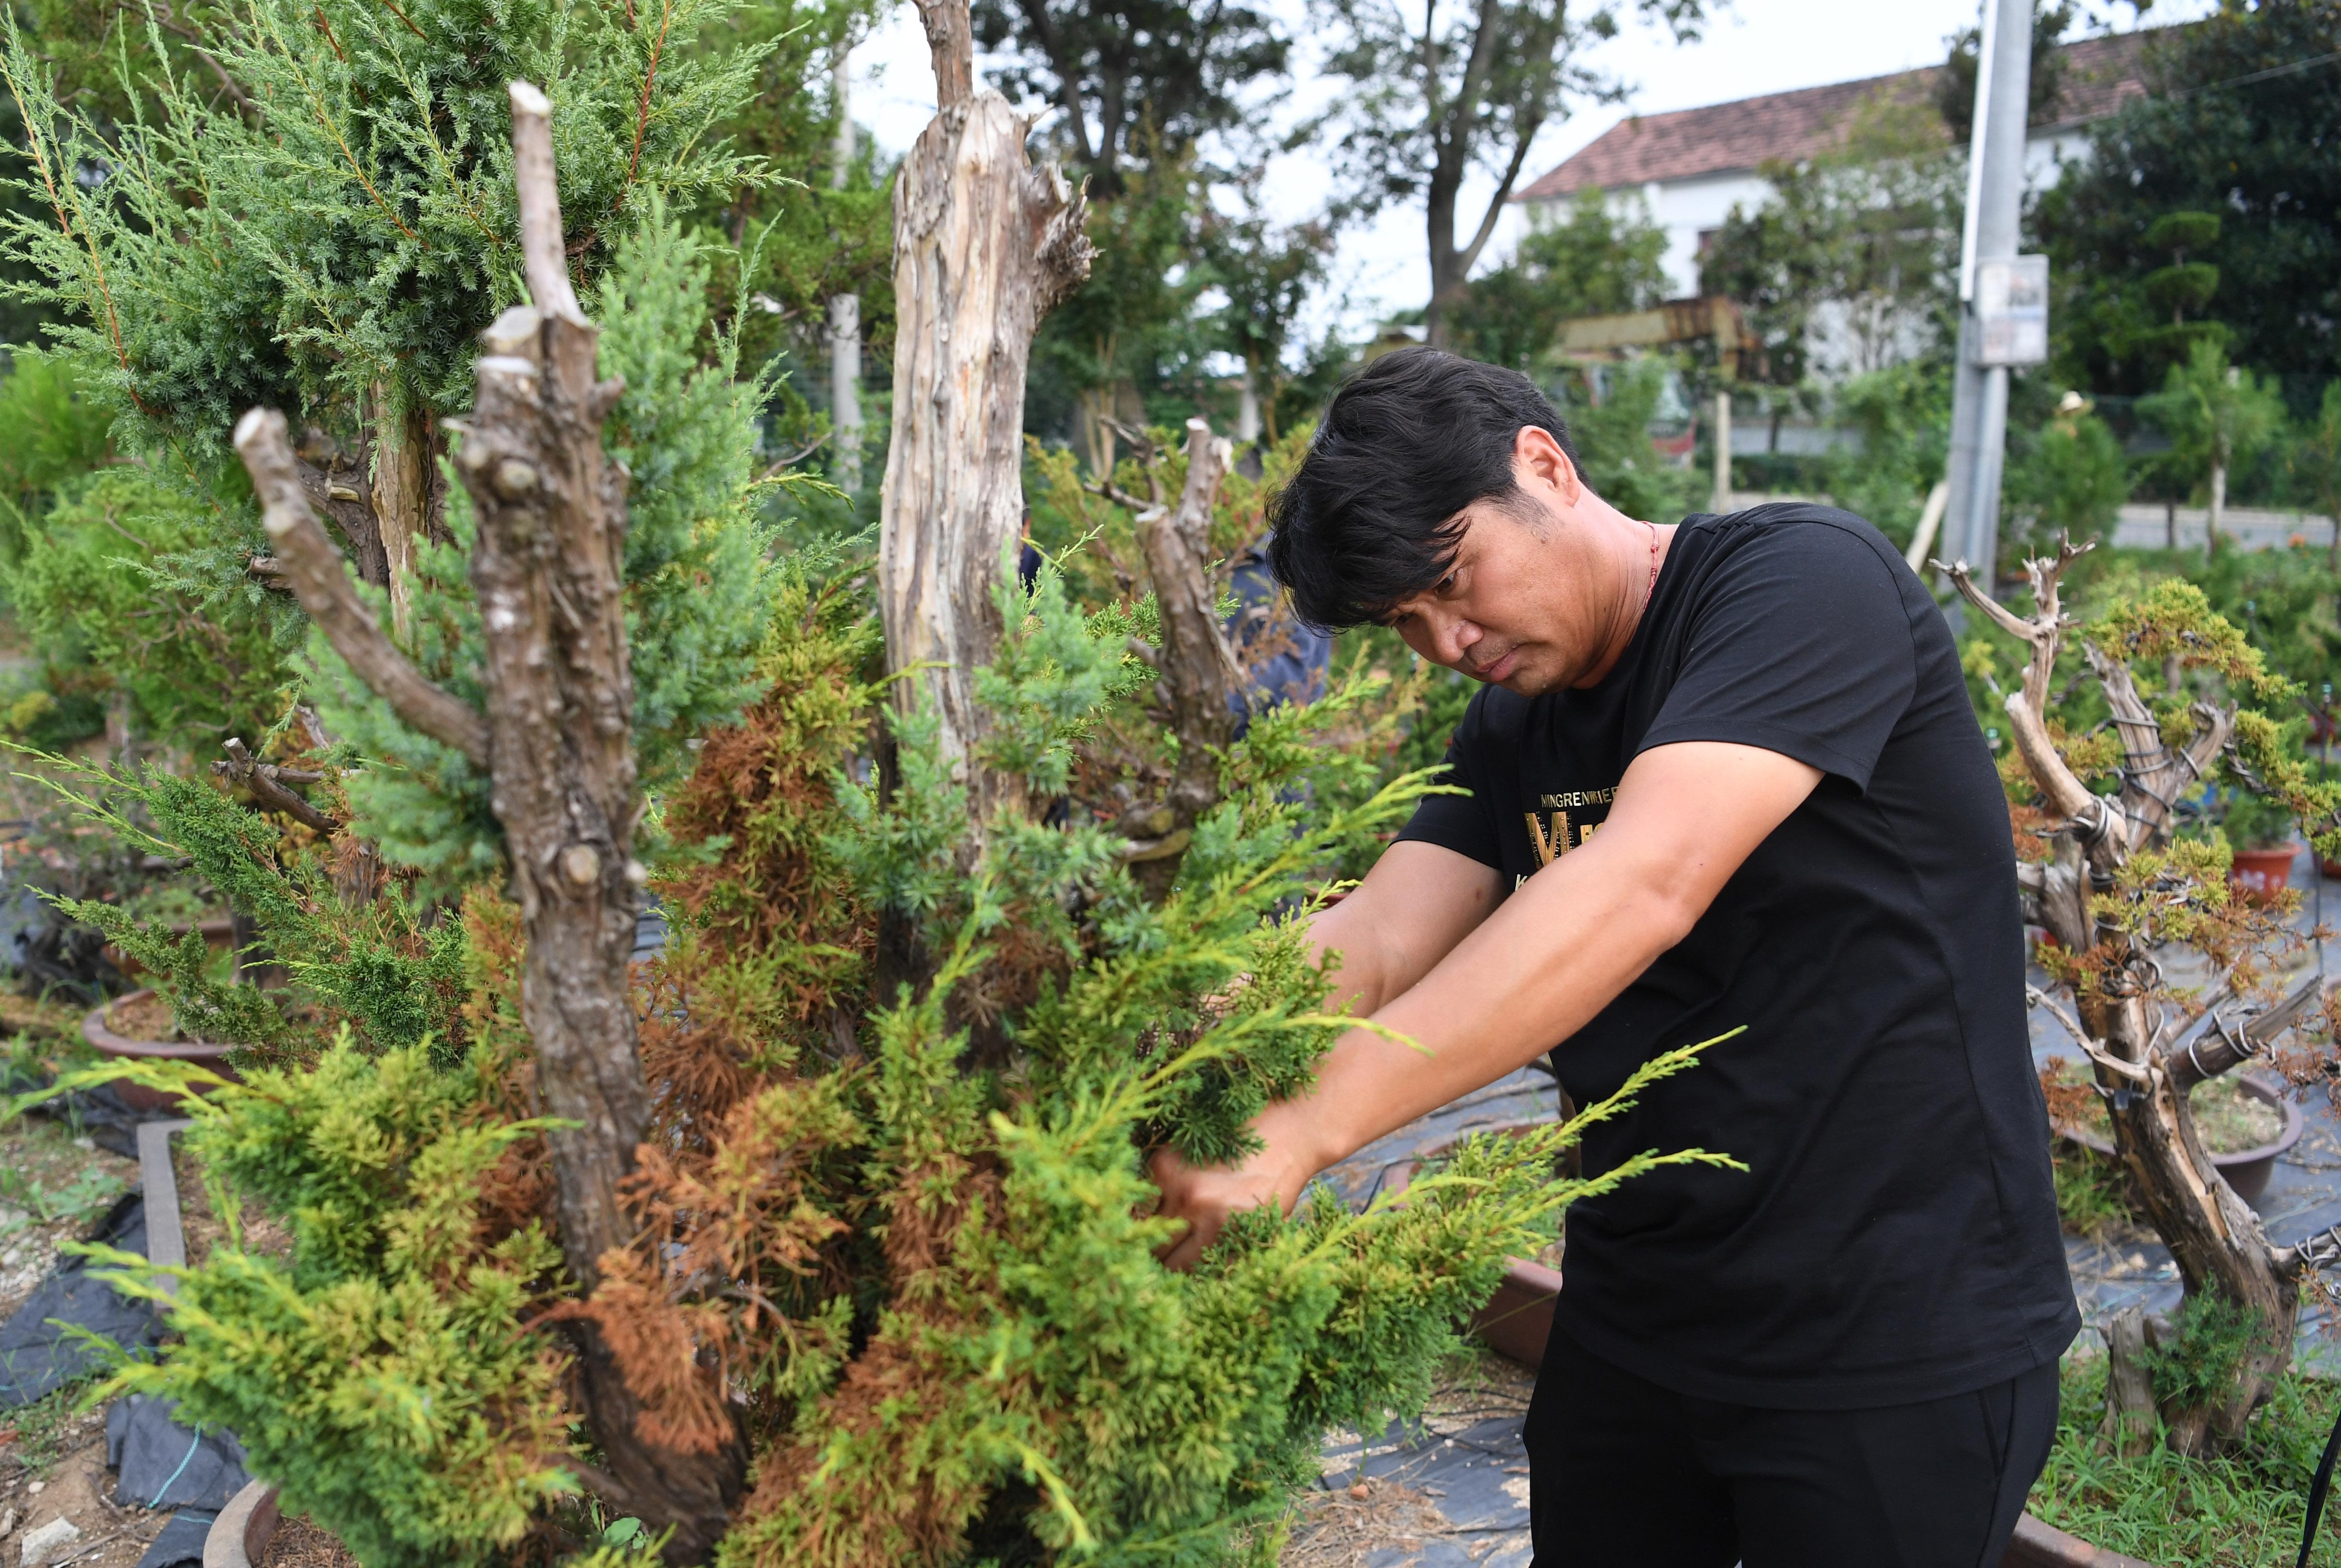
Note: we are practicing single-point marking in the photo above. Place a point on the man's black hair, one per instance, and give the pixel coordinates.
(1406, 445)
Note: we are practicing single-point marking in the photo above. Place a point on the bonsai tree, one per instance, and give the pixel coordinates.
(2099, 764)
(823, 1239)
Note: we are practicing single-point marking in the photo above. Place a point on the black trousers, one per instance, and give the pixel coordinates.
(1626, 1475)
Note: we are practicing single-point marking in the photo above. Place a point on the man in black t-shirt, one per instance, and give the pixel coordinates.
(1724, 775)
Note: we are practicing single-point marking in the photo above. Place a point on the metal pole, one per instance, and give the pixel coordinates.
(1722, 501)
(844, 313)
(1995, 198)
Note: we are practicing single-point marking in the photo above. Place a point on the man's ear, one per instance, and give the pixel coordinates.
(1540, 464)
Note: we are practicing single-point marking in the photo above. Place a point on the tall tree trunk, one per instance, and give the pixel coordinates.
(984, 244)
(548, 574)
(1248, 402)
(844, 312)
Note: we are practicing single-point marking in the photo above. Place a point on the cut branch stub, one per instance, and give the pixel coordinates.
(321, 581)
(263, 782)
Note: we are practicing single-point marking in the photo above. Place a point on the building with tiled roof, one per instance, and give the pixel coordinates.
(1691, 166)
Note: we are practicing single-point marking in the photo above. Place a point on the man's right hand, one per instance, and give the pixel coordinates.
(1205, 1195)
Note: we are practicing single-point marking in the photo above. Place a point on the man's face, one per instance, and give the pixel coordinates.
(1517, 609)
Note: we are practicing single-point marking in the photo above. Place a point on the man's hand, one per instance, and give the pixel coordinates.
(1205, 1195)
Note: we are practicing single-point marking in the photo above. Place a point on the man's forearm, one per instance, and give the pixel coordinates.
(1539, 967)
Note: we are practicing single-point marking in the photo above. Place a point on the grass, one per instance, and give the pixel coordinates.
(2244, 1511)
(2090, 1201)
(49, 1428)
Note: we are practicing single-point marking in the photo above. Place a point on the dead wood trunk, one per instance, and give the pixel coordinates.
(1199, 678)
(547, 571)
(984, 244)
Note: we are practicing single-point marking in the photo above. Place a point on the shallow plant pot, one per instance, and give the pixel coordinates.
(2259, 874)
(2037, 1546)
(1517, 1319)
(2247, 1169)
(139, 1097)
(239, 1537)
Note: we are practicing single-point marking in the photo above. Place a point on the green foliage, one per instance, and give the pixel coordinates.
(384, 1378)
(2217, 415)
(2195, 1364)
(2240, 1511)
(2068, 479)
(55, 434)
(347, 236)
(2230, 129)
(1594, 261)
(110, 591)
(383, 967)
(698, 587)
(2090, 1201)
(1903, 414)
(1612, 435)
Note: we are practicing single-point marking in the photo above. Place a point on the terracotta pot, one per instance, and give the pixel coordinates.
(2247, 1169)
(2259, 874)
(2037, 1546)
(139, 1097)
(1517, 1319)
(239, 1537)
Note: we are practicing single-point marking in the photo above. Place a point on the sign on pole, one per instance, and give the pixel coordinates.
(2011, 303)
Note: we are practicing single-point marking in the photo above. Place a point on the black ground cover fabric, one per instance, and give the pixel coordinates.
(37, 1356)
(181, 1543)
(164, 1464)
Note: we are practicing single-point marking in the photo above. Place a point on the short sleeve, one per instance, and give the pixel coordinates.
(1801, 645)
(1465, 823)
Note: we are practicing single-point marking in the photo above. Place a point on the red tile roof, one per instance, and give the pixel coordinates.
(1730, 138)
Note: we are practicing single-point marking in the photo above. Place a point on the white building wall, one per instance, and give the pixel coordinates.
(1690, 208)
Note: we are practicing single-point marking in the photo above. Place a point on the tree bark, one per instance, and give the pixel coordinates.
(984, 245)
(2128, 1425)
(2218, 512)
(1199, 671)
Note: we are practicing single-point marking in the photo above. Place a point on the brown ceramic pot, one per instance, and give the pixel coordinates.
(99, 1032)
(2259, 874)
(239, 1537)
(2247, 1169)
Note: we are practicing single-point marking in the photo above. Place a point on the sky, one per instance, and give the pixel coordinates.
(1753, 46)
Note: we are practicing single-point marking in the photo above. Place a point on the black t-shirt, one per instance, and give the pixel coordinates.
(1895, 1236)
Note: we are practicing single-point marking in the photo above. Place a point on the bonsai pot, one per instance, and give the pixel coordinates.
(239, 1537)
(1517, 1319)
(2037, 1546)
(2247, 1169)
(2259, 874)
(97, 1029)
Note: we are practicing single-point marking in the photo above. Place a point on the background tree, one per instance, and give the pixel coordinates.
(2315, 459)
(1133, 82)
(1263, 271)
(1593, 262)
(2216, 416)
(1845, 267)
(2240, 119)
(1469, 90)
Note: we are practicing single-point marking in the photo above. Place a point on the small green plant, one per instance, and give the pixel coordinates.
(2254, 821)
(2089, 1198)
(2202, 1357)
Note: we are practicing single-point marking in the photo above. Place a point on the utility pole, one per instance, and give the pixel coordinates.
(1995, 197)
(844, 311)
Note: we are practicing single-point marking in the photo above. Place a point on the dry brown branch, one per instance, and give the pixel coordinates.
(320, 580)
(543, 254)
(951, 41)
(2222, 1047)
(2028, 707)
(265, 784)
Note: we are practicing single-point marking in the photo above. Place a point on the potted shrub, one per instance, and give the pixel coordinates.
(2244, 1122)
(2259, 830)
